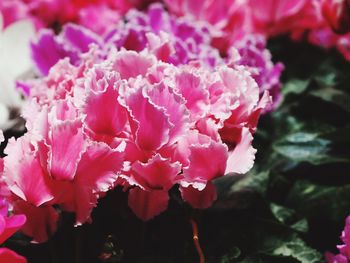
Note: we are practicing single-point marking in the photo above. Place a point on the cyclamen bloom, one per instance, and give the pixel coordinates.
(344, 249)
(180, 126)
(188, 42)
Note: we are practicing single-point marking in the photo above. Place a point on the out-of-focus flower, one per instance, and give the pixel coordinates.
(337, 14)
(259, 60)
(344, 249)
(15, 62)
(331, 258)
(188, 42)
(98, 15)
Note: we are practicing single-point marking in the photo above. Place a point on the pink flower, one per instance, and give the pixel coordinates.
(344, 249)
(330, 258)
(58, 173)
(337, 14)
(171, 121)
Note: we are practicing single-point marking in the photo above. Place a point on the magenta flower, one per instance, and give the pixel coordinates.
(267, 75)
(344, 249)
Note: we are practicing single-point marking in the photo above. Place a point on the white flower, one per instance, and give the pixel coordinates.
(15, 60)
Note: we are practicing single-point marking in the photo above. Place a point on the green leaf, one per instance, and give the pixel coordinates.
(334, 96)
(283, 214)
(313, 200)
(231, 256)
(301, 226)
(306, 147)
(297, 249)
(296, 86)
(235, 191)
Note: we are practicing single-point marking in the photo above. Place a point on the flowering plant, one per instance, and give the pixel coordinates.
(126, 123)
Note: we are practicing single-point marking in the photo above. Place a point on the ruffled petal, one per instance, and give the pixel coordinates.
(13, 224)
(200, 199)
(97, 172)
(147, 205)
(41, 221)
(9, 256)
(241, 159)
(158, 173)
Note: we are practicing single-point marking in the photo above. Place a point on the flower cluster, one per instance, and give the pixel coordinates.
(344, 249)
(323, 22)
(134, 121)
(98, 15)
(173, 40)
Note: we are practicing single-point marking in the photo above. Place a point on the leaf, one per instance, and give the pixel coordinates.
(334, 96)
(283, 214)
(239, 191)
(306, 147)
(296, 86)
(313, 200)
(297, 249)
(231, 256)
(301, 226)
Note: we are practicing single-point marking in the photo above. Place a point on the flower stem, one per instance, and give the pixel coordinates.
(196, 241)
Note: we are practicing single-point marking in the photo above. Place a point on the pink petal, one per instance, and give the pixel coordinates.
(199, 199)
(274, 10)
(64, 156)
(130, 64)
(147, 205)
(64, 110)
(9, 256)
(193, 90)
(41, 221)
(104, 115)
(25, 175)
(157, 173)
(160, 46)
(241, 159)
(4, 207)
(97, 172)
(151, 122)
(174, 106)
(13, 224)
(206, 162)
(264, 103)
